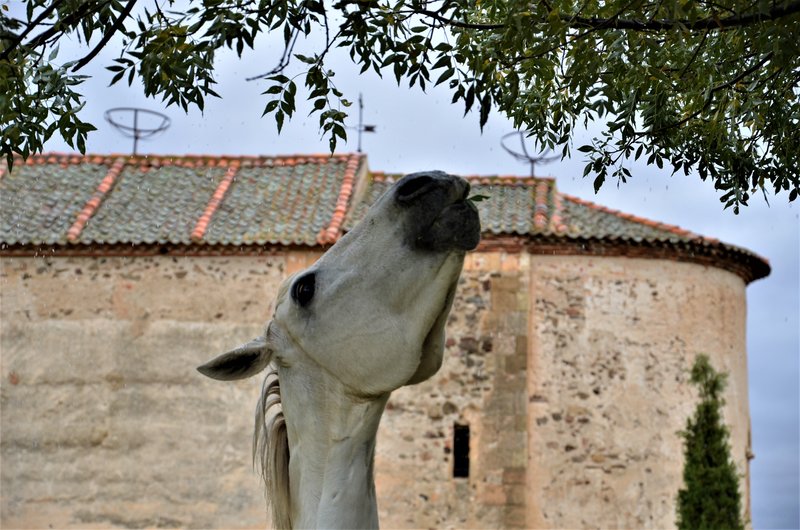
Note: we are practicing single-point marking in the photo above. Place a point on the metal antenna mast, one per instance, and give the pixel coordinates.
(361, 127)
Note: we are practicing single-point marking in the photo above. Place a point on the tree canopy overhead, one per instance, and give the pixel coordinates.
(706, 86)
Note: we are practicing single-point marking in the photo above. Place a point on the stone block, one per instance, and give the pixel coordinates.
(515, 517)
(509, 263)
(493, 495)
(514, 475)
(515, 495)
(56, 352)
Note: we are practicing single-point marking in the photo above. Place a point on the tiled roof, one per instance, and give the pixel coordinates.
(108, 200)
(75, 202)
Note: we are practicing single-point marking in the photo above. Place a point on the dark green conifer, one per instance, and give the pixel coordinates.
(710, 498)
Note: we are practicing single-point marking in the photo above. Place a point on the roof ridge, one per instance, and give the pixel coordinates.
(216, 199)
(501, 180)
(382, 176)
(557, 223)
(65, 158)
(506, 180)
(93, 204)
(674, 229)
(540, 204)
(331, 233)
(55, 157)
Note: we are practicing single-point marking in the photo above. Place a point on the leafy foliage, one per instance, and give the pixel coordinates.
(710, 498)
(705, 86)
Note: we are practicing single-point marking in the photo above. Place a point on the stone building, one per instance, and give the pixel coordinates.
(558, 405)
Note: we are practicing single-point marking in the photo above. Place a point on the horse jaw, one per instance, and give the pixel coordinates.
(433, 345)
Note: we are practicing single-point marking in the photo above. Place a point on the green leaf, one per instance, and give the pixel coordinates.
(486, 105)
(116, 77)
(303, 58)
(279, 120)
(598, 182)
(271, 106)
(445, 76)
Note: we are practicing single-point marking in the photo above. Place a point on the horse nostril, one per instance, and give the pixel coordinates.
(412, 187)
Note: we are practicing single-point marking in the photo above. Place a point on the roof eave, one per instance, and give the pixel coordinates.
(745, 264)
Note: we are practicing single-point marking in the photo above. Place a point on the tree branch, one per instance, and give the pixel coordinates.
(43, 15)
(694, 55)
(43, 37)
(702, 24)
(456, 23)
(742, 75)
(107, 37)
(596, 23)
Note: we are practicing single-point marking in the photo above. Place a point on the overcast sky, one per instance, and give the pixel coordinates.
(417, 131)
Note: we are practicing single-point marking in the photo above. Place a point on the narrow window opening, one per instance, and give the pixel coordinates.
(460, 451)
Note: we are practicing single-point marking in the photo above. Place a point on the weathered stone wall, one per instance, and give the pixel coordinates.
(105, 422)
(608, 389)
(569, 371)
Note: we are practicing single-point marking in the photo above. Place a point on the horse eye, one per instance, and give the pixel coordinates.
(303, 289)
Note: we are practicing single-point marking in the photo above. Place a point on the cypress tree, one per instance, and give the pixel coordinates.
(710, 498)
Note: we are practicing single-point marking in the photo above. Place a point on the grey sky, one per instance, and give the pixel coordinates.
(417, 131)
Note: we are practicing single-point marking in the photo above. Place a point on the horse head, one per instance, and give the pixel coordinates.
(367, 318)
(372, 310)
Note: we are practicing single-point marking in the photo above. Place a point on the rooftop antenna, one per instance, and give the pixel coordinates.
(361, 127)
(142, 124)
(523, 155)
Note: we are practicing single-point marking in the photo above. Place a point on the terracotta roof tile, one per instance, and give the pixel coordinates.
(93, 204)
(331, 233)
(216, 199)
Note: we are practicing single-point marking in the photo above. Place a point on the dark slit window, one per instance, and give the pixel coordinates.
(460, 451)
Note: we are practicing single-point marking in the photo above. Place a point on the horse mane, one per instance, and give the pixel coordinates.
(271, 451)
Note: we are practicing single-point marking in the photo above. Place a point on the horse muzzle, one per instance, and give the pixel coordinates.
(439, 216)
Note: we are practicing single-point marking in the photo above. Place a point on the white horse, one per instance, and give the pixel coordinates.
(367, 318)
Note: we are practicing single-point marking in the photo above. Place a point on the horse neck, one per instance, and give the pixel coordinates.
(331, 438)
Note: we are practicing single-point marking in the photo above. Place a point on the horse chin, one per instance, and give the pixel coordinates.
(432, 348)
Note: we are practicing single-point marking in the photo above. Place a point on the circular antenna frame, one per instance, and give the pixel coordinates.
(137, 131)
(523, 155)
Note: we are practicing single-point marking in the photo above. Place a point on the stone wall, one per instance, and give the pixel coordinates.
(481, 385)
(569, 371)
(105, 422)
(608, 390)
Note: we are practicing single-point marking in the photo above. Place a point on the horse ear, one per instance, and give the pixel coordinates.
(245, 361)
